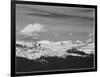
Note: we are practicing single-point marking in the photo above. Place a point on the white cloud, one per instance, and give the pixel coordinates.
(30, 29)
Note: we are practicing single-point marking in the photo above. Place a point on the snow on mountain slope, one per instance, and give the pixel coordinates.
(38, 49)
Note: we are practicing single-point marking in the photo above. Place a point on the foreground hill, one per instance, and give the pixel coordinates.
(54, 63)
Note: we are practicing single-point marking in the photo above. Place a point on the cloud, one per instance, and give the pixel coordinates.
(69, 13)
(33, 29)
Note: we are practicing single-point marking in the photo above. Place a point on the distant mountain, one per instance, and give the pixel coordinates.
(37, 49)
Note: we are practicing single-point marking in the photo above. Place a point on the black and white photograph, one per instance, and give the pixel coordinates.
(54, 38)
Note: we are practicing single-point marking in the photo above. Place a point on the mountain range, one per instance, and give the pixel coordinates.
(37, 49)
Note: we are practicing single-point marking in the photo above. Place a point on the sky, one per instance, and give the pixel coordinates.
(54, 23)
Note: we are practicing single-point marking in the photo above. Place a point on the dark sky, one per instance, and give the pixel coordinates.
(62, 23)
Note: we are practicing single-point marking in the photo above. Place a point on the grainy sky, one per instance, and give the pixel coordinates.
(54, 23)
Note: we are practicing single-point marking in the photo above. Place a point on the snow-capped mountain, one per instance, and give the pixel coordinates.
(37, 49)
